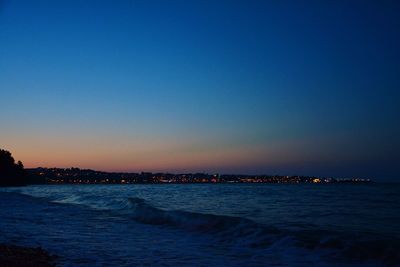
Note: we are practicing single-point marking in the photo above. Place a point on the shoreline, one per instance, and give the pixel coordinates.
(20, 256)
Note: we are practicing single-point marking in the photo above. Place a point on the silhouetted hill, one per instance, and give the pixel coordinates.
(11, 173)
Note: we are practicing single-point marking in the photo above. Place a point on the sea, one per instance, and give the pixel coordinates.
(207, 224)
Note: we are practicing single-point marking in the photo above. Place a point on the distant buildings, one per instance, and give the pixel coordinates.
(82, 176)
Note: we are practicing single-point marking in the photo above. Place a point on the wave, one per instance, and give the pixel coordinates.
(250, 234)
(247, 234)
(146, 213)
(228, 229)
(141, 211)
(237, 231)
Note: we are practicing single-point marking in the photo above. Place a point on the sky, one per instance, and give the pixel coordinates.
(254, 87)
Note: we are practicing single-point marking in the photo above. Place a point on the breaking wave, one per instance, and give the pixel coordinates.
(146, 213)
(250, 234)
(339, 247)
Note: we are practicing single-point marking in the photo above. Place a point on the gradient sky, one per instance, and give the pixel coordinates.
(275, 87)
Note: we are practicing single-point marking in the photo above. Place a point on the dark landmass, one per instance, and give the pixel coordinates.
(86, 176)
(11, 173)
(14, 174)
(16, 256)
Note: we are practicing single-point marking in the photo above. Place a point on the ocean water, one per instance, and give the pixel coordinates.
(207, 224)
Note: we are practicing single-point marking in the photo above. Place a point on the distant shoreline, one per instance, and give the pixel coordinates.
(87, 176)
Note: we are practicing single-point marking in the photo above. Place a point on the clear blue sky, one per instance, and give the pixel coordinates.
(288, 87)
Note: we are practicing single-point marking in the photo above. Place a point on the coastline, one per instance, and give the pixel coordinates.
(18, 256)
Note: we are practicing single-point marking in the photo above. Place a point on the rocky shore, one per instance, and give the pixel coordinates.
(17, 256)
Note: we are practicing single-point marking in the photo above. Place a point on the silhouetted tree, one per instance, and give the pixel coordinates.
(11, 173)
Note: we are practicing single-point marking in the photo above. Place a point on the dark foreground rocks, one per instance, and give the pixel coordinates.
(16, 256)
